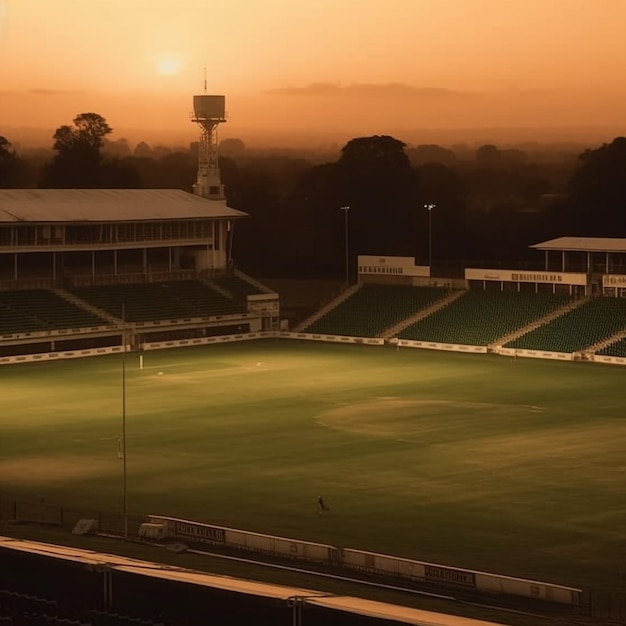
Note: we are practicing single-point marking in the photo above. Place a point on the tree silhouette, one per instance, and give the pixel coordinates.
(598, 191)
(375, 178)
(9, 164)
(79, 162)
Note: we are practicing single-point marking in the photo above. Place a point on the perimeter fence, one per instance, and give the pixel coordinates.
(599, 607)
(38, 511)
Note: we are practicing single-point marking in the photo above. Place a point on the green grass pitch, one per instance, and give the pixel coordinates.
(515, 467)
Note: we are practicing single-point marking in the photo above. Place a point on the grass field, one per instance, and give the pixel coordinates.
(516, 467)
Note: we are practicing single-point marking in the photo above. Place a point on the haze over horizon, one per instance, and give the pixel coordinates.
(300, 69)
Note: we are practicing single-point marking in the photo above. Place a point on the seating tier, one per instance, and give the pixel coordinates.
(41, 310)
(584, 326)
(159, 301)
(481, 317)
(374, 308)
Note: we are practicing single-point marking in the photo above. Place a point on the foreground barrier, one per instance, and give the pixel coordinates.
(205, 341)
(340, 339)
(433, 345)
(370, 341)
(54, 356)
(612, 360)
(458, 577)
(242, 540)
(379, 564)
(536, 354)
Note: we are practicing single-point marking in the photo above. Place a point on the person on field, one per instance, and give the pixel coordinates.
(321, 506)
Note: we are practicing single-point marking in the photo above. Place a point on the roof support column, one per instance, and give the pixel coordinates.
(169, 258)
(115, 262)
(588, 262)
(15, 266)
(545, 260)
(607, 263)
(145, 263)
(54, 266)
(93, 263)
(562, 260)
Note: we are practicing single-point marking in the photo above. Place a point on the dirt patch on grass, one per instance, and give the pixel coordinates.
(41, 469)
(410, 419)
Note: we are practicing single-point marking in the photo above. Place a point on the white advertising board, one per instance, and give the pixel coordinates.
(614, 280)
(517, 276)
(391, 266)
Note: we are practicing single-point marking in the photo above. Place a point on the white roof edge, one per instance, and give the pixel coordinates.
(108, 205)
(583, 244)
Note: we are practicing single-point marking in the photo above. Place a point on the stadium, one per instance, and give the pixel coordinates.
(465, 430)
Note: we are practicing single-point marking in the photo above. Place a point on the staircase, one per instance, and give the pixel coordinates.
(570, 306)
(209, 283)
(260, 286)
(396, 329)
(596, 347)
(342, 297)
(70, 297)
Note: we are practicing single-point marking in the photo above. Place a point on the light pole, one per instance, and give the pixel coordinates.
(429, 208)
(346, 210)
(124, 474)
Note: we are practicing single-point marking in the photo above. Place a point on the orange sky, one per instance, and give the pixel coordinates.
(356, 67)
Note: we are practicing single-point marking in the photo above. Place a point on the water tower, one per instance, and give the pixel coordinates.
(208, 112)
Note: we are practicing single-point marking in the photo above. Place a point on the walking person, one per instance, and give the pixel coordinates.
(321, 506)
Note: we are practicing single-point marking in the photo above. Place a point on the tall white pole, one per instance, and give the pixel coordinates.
(430, 208)
(345, 210)
(124, 481)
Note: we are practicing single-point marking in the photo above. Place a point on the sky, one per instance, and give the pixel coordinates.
(298, 67)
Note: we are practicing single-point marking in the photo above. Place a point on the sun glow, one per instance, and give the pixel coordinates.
(168, 65)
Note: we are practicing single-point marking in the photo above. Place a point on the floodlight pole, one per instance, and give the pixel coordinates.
(346, 210)
(124, 481)
(429, 208)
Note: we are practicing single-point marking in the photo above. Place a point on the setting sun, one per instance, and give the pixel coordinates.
(168, 65)
(286, 66)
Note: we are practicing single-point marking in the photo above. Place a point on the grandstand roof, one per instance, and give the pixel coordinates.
(108, 205)
(583, 244)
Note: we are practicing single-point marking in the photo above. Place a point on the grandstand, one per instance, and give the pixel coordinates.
(482, 317)
(550, 313)
(81, 269)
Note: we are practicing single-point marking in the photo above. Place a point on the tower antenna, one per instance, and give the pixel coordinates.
(205, 78)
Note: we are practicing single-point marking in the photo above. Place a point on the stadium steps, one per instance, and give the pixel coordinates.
(601, 345)
(213, 285)
(520, 332)
(342, 297)
(616, 348)
(597, 319)
(396, 329)
(255, 283)
(75, 300)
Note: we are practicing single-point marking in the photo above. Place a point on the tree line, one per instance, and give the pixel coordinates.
(487, 204)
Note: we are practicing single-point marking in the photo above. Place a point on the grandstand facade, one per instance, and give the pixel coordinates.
(572, 309)
(84, 270)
